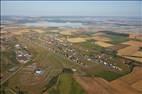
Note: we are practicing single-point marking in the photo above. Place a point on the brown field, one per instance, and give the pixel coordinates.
(100, 38)
(139, 59)
(66, 33)
(76, 40)
(54, 31)
(103, 44)
(95, 85)
(18, 32)
(133, 77)
(128, 51)
(135, 36)
(132, 51)
(133, 43)
(138, 85)
(138, 54)
(38, 30)
(118, 47)
(129, 84)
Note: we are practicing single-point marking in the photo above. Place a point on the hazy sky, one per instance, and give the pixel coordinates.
(72, 8)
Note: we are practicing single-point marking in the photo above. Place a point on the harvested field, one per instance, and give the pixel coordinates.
(138, 54)
(76, 40)
(101, 38)
(128, 51)
(124, 88)
(139, 59)
(103, 44)
(65, 33)
(138, 85)
(95, 85)
(131, 52)
(129, 84)
(54, 31)
(18, 32)
(118, 47)
(38, 30)
(133, 43)
(133, 77)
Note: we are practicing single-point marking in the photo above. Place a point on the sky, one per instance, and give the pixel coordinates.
(71, 8)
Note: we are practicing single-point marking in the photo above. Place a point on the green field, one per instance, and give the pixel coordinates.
(8, 59)
(90, 46)
(116, 39)
(66, 85)
(108, 75)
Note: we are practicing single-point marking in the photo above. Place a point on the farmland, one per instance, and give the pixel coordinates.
(126, 84)
(66, 85)
(65, 60)
(132, 51)
(103, 44)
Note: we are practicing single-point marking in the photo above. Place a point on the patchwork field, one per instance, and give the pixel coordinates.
(132, 51)
(128, 51)
(124, 85)
(95, 85)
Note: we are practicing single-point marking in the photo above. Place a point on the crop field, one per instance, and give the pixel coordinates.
(38, 30)
(133, 43)
(66, 85)
(94, 70)
(95, 85)
(138, 85)
(132, 51)
(128, 51)
(103, 44)
(19, 32)
(125, 85)
(116, 39)
(76, 40)
(101, 38)
(66, 33)
(128, 83)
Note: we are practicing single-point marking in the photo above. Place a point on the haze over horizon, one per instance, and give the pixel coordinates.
(72, 8)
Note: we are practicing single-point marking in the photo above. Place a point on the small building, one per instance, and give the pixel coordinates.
(39, 71)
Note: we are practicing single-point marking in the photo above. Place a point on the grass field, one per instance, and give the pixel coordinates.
(8, 59)
(108, 75)
(89, 45)
(66, 85)
(115, 39)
